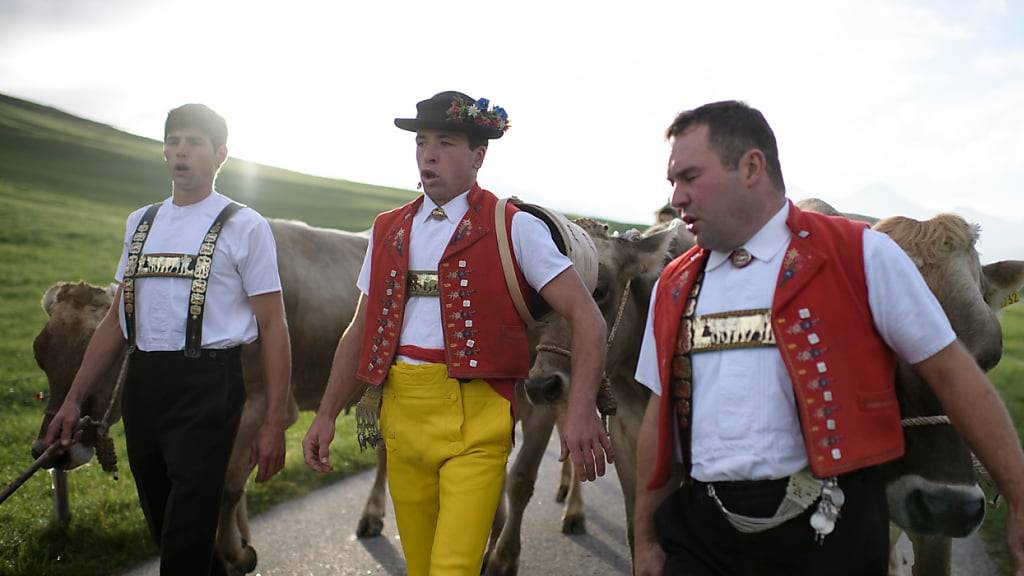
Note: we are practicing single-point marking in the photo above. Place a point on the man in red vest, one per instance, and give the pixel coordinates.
(773, 346)
(436, 333)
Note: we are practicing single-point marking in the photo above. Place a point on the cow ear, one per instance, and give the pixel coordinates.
(50, 297)
(649, 251)
(1002, 282)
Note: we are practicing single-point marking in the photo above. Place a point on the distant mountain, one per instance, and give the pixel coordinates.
(1000, 239)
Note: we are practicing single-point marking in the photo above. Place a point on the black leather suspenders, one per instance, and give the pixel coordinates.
(139, 266)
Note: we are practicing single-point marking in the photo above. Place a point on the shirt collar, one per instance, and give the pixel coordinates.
(765, 244)
(454, 209)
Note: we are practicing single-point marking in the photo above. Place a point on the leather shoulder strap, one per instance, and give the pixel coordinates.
(128, 281)
(507, 266)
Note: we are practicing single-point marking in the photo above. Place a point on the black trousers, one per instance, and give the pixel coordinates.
(699, 541)
(180, 420)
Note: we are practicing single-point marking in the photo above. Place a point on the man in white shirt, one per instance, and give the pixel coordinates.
(198, 278)
(437, 334)
(772, 345)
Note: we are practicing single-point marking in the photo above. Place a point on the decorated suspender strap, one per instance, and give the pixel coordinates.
(200, 280)
(128, 282)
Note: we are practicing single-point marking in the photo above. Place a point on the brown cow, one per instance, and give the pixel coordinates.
(927, 494)
(935, 499)
(318, 269)
(634, 261)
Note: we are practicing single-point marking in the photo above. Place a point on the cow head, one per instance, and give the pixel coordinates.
(932, 489)
(74, 311)
(632, 260)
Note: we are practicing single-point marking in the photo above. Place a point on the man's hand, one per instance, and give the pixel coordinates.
(649, 559)
(316, 446)
(585, 441)
(268, 451)
(62, 427)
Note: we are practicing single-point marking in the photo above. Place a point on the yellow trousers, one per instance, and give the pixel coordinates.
(447, 448)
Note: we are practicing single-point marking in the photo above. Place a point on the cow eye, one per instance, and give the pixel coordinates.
(600, 293)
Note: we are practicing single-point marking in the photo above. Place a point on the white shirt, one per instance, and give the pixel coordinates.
(244, 265)
(745, 422)
(536, 254)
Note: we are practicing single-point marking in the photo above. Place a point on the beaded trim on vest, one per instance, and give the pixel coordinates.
(682, 374)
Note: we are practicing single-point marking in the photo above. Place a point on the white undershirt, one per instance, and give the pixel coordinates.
(244, 265)
(535, 251)
(745, 422)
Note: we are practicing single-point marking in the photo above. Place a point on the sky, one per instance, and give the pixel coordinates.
(918, 103)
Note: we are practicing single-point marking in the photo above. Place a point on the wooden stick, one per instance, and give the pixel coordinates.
(39, 462)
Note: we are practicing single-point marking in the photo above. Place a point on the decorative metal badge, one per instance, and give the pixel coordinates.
(163, 265)
(732, 330)
(422, 283)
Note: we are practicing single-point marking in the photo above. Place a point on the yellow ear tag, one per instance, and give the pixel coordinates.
(1013, 298)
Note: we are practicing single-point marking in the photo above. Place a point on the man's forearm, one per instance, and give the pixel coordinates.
(588, 351)
(974, 408)
(647, 501)
(275, 350)
(342, 383)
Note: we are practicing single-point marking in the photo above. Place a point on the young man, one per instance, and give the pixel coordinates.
(198, 279)
(729, 419)
(437, 329)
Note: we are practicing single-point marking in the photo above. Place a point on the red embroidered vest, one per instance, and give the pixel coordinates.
(483, 334)
(842, 372)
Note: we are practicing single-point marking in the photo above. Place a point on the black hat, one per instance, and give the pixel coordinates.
(456, 111)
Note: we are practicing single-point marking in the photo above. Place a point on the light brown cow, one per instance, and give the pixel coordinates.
(318, 270)
(634, 261)
(932, 489)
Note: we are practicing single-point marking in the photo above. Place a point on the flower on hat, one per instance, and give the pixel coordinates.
(478, 113)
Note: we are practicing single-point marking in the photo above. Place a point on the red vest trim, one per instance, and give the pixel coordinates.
(483, 334)
(842, 372)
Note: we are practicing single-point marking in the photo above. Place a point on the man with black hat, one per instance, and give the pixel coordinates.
(198, 278)
(438, 336)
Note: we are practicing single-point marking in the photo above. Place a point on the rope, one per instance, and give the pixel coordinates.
(924, 421)
(618, 316)
(105, 453)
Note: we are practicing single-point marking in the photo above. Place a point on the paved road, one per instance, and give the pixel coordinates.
(314, 535)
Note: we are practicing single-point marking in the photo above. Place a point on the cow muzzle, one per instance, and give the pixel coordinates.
(549, 389)
(928, 508)
(78, 454)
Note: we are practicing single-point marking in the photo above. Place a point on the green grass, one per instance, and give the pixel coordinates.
(1007, 378)
(66, 186)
